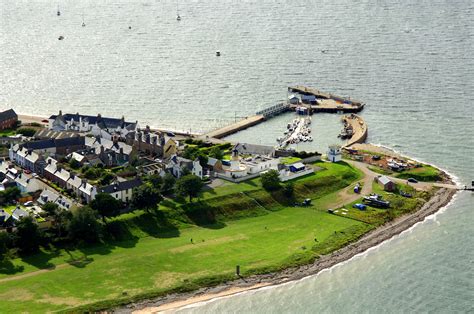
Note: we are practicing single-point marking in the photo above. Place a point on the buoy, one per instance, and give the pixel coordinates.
(83, 24)
(60, 37)
(218, 53)
(129, 27)
(178, 18)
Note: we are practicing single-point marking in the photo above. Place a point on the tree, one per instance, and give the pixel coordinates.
(270, 180)
(192, 152)
(289, 189)
(10, 194)
(26, 131)
(61, 216)
(74, 164)
(61, 219)
(106, 205)
(156, 180)
(106, 178)
(216, 153)
(84, 226)
(189, 185)
(168, 183)
(4, 244)
(27, 235)
(50, 208)
(146, 197)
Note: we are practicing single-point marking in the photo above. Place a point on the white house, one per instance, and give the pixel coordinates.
(249, 166)
(122, 190)
(197, 169)
(334, 153)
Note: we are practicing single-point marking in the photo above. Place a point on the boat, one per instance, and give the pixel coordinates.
(218, 53)
(83, 23)
(61, 37)
(178, 17)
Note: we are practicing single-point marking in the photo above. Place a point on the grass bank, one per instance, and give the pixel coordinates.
(185, 246)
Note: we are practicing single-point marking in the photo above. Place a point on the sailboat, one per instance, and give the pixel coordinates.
(58, 13)
(83, 23)
(178, 18)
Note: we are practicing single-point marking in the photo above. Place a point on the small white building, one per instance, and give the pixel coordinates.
(334, 153)
(197, 169)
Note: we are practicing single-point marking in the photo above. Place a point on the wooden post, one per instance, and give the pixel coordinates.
(237, 270)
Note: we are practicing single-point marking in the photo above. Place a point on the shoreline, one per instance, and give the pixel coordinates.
(373, 238)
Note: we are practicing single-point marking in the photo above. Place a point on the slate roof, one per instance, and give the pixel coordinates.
(121, 186)
(384, 180)
(19, 213)
(102, 122)
(298, 165)
(48, 196)
(8, 114)
(75, 181)
(4, 216)
(52, 142)
(245, 148)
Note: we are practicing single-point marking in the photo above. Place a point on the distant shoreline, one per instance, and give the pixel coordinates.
(174, 301)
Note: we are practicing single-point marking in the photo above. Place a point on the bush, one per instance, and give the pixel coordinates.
(26, 131)
(270, 180)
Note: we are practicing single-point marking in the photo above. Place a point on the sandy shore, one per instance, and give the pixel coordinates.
(172, 302)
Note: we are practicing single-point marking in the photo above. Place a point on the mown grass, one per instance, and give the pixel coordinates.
(425, 173)
(399, 205)
(186, 245)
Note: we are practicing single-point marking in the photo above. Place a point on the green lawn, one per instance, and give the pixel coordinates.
(423, 173)
(399, 205)
(250, 227)
(290, 160)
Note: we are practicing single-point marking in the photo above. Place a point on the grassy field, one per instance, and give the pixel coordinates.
(399, 205)
(238, 224)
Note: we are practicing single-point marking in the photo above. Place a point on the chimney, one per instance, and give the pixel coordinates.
(154, 139)
(60, 112)
(121, 150)
(102, 149)
(84, 182)
(147, 138)
(162, 139)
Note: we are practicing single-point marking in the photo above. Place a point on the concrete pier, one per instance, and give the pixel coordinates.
(234, 127)
(327, 102)
(359, 127)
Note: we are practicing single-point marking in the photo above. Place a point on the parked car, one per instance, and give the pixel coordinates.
(412, 180)
(28, 204)
(360, 206)
(404, 194)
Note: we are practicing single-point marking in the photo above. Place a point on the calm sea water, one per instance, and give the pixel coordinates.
(411, 62)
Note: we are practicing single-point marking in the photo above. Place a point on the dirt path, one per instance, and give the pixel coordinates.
(34, 273)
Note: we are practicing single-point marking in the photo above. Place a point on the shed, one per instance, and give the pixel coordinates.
(309, 99)
(386, 183)
(293, 99)
(297, 167)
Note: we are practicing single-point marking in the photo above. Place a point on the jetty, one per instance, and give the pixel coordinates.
(325, 102)
(235, 127)
(359, 129)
